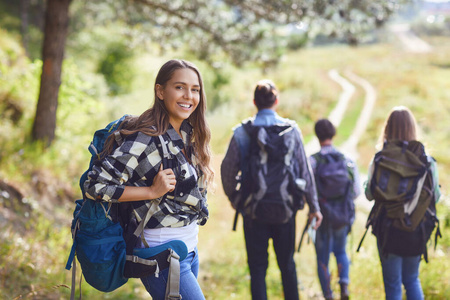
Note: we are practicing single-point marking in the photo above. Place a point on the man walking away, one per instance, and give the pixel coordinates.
(266, 175)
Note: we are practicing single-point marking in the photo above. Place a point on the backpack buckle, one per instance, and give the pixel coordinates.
(172, 254)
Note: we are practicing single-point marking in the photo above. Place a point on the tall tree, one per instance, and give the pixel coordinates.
(55, 32)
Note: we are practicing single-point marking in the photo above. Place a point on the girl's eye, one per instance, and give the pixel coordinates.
(179, 87)
(196, 90)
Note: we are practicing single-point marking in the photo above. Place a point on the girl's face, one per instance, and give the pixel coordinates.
(181, 95)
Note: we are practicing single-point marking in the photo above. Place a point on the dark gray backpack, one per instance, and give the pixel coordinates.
(334, 182)
(272, 194)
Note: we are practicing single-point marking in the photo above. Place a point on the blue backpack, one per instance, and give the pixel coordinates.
(334, 183)
(106, 251)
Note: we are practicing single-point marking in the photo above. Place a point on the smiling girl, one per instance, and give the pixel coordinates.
(131, 170)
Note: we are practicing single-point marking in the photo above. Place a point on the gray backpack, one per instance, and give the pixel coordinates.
(272, 195)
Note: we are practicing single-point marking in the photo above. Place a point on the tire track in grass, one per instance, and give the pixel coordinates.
(350, 145)
(336, 115)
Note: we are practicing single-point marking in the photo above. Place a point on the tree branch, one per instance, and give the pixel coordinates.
(218, 39)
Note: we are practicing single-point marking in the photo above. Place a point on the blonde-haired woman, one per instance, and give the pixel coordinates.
(398, 269)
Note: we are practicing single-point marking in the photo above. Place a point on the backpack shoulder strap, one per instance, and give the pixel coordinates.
(168, 161)
(247, 125)
(319, 157)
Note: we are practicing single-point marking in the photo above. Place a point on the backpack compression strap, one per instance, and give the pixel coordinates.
(303, 234)
(173, 282)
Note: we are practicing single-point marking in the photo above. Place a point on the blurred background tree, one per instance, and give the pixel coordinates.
(238, 31)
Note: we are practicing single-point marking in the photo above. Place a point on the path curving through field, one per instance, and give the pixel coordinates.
(410, 41)
(338, 112)
(350, 145)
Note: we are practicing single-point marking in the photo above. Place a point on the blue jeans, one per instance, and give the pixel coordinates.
(398, 270)
(331, 240)
(257, 235)
(189, 287)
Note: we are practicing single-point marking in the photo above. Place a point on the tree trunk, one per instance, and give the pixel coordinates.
(55, 32)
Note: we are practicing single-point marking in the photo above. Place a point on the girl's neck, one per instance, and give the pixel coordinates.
(176, 127)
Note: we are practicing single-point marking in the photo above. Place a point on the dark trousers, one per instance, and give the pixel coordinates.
(257, 235)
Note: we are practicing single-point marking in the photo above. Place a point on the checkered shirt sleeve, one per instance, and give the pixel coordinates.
(137, 160)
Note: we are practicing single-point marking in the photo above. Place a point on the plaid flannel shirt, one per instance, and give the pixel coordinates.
(136, 161)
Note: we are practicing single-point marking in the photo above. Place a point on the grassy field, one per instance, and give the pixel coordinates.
(32, 261)
(419, 81)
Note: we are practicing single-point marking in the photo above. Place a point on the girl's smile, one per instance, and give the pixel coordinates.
(181, 95)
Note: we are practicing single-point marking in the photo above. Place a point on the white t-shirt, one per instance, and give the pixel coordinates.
(188, 234)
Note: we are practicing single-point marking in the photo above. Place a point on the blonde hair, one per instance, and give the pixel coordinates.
(400, 125)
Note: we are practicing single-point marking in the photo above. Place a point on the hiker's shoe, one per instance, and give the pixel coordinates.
(344, 291)
(329, 296)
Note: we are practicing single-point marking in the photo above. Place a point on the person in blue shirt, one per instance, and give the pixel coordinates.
(333, 237)
(257, 232)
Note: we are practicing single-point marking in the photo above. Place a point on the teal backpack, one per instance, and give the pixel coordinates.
(104, 236)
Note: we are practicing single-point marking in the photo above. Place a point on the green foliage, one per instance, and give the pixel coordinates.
(116, 66)
(246, 30)
(432, 25)
(18, 88)
(348, 123)
(33, 272)
(80, 109)
(297, 41)
(33, 262)
(10, 21)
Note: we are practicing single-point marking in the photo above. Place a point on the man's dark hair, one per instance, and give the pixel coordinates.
(324, 129)
(265, 94)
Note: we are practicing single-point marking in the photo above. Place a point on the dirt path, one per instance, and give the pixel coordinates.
(410, 41)
(350, 145)
(336, 115)
(338, 112)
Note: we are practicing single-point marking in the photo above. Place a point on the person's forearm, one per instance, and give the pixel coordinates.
(138, 193)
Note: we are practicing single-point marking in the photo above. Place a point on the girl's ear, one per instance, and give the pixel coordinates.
(159, 91)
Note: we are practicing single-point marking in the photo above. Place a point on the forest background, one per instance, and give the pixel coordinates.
(111, 58)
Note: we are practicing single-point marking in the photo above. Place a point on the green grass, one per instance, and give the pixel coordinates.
(33, 262)
(345, 128)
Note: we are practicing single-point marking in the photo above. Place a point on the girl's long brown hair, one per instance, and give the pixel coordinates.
(399, 125)
(155, 120)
